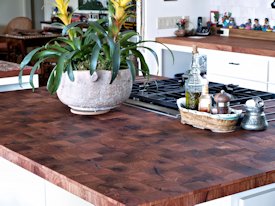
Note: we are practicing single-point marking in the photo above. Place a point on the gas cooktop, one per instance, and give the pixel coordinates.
(161, 95)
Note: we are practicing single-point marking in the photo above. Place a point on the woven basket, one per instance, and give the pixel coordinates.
(215, 122)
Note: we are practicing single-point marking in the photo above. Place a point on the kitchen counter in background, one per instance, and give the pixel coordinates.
(230, 44)
(131, 156)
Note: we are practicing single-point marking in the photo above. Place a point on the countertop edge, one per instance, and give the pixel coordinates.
(201, 43)
(58, 179)
(198, 196)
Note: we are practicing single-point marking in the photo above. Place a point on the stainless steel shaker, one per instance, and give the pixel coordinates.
(254, 118)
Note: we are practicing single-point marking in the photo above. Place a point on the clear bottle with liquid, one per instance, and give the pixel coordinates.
(194, 83)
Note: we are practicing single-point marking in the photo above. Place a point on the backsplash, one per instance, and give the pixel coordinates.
(242, 10)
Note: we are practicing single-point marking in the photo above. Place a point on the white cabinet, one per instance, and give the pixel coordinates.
(261, 196)
(245, 70)
(19, 187)
(271, 79)
(58, 196)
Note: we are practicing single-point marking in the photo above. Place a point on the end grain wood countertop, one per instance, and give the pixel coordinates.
(131, 156)
(231, 44)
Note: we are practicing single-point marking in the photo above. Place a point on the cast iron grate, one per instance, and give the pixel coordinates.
(166, 92)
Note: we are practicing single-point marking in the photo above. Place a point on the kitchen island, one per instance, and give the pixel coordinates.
(131, 156)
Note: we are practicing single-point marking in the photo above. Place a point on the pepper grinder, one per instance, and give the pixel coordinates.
(222, 100)
(254, 118)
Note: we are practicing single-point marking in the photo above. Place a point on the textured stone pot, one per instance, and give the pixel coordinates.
(90, 95)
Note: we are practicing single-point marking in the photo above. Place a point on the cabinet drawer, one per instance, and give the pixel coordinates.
(261, 86)
(242, 66)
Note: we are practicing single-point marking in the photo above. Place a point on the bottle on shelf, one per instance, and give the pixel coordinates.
(205, 101)
(193, 85)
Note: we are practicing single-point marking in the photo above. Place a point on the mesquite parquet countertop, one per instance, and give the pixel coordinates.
(130, 156)
(231, 44)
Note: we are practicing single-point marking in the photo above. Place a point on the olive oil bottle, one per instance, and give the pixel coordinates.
(194, 83)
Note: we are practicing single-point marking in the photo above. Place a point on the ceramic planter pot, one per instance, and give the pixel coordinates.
(91, 95)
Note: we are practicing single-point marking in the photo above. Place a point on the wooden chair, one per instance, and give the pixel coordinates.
(16, 24)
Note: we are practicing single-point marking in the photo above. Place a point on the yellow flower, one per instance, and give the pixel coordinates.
(62, 6)
(120, 7)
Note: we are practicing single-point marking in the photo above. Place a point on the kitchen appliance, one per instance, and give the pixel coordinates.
(160, 96)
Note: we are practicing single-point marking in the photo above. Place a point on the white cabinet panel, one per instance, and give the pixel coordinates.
(19, 187)
(58, 196)
(271, 71)
(241, 66)
(261, 86)
(264, 195)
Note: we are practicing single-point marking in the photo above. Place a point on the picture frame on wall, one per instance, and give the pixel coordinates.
(93, 4)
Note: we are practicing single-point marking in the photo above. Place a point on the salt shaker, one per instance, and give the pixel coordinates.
(254, 118)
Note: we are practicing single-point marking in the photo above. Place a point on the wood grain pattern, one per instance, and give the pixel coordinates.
(252, 34)
(130, 156)
(231, 44)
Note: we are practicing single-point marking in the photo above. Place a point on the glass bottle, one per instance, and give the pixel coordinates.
(193, 85)
(205, 100)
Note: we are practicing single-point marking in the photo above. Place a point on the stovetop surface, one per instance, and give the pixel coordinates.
(164, 93)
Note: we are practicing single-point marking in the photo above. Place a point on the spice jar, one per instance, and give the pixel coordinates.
(222, 100)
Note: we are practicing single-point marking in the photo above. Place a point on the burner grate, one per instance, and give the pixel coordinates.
(165, 93)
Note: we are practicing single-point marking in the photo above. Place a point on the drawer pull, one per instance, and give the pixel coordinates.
(233, 63)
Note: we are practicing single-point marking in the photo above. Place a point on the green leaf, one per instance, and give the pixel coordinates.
(70, 72)
(68, 27)
(152, 51)
(144, 67)
(28, 58)
(126, 36)
(77, 43)
(66, 41)
(35, 67)
(94, 58)
(115, 62)
(132, 68)
(47, 54)
(56, 74)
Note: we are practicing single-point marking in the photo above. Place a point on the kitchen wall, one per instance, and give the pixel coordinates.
(242, 10)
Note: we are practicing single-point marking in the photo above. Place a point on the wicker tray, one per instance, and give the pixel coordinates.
(215, 122)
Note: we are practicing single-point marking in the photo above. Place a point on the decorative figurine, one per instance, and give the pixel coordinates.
(248, 24)
(225, 19)
(266, 26)
(231, 24)
(256, 25)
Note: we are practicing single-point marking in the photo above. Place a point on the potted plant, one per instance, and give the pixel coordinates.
(94, 69)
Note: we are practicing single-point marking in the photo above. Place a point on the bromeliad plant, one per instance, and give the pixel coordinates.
(101, 47)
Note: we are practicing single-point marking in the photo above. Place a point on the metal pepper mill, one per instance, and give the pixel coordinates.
(254, 118)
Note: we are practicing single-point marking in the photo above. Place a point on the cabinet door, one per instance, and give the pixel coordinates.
(264, 195)
(19, 187)
(56, 196)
